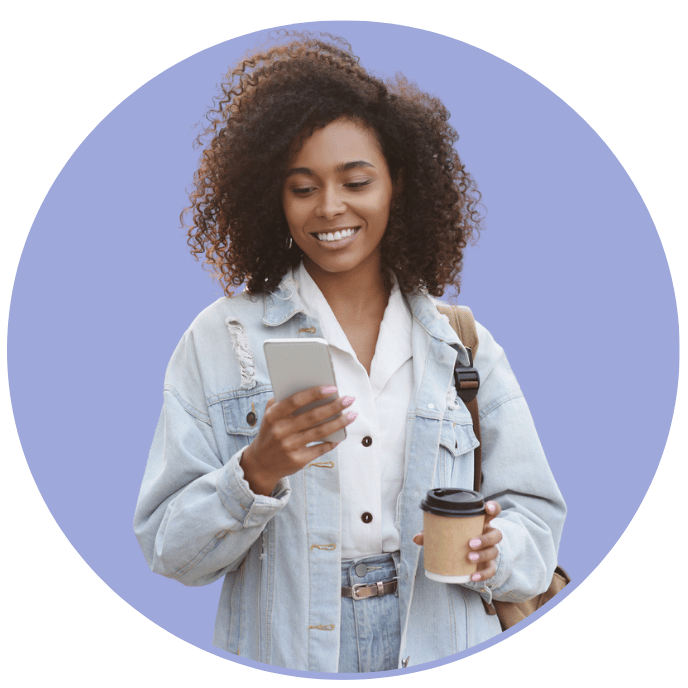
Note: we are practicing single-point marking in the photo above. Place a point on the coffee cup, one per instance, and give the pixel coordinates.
(451, 518)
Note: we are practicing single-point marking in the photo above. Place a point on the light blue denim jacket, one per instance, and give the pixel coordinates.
(197, 520)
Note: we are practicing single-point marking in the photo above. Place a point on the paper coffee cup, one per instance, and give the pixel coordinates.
(452, 518)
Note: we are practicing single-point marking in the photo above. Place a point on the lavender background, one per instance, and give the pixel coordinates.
(569, 276)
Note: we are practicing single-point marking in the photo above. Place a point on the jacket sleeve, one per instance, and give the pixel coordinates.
(196, 516)
(516, 474)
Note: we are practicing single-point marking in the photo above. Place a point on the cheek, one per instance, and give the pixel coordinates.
(380, 208)
(290, 213)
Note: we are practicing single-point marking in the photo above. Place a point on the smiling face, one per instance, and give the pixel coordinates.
(336, 198)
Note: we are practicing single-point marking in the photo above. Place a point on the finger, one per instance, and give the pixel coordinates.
(483, 556)
(316, 416)
(324, 429)
(418, 539)
(296, 401)
(490, 537)
(492, 509)
(485, 573)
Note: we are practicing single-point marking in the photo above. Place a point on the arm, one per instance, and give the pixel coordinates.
(517, 476)
(195, 517)
(200, 509)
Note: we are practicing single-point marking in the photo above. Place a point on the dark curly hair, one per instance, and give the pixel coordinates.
(269, 104)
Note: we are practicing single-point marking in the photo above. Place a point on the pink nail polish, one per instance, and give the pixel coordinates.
(474, 543)
(352, 416)
(491, 507)
(474, 556)
(347, 401)
(475, 577)
(328, 390)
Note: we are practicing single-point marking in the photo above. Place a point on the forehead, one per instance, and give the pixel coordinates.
(340, 141)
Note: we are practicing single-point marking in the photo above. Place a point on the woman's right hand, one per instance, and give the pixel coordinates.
(280, 448)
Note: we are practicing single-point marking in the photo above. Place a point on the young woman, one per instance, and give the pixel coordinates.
(340, 202)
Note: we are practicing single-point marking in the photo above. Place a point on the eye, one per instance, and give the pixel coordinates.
(357, 185)
(302, 190)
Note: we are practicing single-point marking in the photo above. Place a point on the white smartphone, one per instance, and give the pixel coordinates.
(299, 364)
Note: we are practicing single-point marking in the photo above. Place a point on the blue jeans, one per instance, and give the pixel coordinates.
(370, 632)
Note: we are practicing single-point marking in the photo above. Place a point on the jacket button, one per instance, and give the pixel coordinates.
(367, 441)
(367, 517)
(251, 418)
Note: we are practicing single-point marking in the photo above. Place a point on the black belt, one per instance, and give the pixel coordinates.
(362, 590)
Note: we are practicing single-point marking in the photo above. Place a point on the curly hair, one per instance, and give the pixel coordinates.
(269, 104)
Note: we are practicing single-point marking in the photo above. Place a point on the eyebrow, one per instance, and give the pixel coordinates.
(342, 167)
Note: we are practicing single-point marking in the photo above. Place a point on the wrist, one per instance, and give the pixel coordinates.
(257, 481)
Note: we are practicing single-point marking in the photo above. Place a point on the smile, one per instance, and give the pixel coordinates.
(336, 235)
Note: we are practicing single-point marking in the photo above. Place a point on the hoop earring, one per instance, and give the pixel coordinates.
(289, 242)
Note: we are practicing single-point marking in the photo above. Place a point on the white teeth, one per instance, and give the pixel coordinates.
(335, 236)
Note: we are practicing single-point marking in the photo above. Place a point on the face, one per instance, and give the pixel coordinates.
(336, 198)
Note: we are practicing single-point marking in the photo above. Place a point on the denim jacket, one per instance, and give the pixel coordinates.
(197, 519)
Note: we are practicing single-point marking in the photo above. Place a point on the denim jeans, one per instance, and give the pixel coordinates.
(370, 632)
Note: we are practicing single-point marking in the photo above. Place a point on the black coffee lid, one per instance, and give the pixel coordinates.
(453, 501)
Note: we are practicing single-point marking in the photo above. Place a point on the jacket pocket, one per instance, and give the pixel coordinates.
(455, 461)
(243, 411)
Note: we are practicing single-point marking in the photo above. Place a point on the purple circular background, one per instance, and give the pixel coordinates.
(569, 276)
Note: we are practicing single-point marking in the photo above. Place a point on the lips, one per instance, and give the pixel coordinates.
(336, 234)
(336, 238)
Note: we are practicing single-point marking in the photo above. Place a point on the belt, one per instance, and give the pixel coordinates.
(361, 590)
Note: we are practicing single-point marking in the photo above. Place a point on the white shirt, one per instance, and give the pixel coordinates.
(371, 473)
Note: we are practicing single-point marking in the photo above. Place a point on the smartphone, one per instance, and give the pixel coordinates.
(299, 364)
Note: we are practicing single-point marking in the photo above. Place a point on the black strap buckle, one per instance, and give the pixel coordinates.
(467, 379)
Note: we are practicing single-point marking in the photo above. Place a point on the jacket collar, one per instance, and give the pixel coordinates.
(283, 303)
(424, 309)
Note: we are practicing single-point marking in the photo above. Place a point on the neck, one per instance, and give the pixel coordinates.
(351, 294)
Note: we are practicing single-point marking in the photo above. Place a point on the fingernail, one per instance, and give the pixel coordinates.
(347, 401)
(352, 415)
(491, 506)
(475, 577)
(474, 543)
(474, 556)
(328, 390)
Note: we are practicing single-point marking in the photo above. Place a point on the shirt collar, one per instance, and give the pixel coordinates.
(285, 302)
(394, 329)
(316, 304)
(394, 342)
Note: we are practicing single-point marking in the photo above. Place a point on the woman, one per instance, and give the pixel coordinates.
(341, 203)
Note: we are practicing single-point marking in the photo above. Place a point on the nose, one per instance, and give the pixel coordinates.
(330, 204)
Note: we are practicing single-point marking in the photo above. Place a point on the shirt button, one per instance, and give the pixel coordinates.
(431, 406)
(251, 418)
(366, 517)
(367, 441)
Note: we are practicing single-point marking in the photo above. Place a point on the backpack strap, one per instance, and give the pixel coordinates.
(467, 378)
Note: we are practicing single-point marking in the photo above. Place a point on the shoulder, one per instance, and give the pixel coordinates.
(204, 362)
(497, 380)
(227, 308)
(498, 384)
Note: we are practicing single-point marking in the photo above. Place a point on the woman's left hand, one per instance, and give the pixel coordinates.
(483, 549)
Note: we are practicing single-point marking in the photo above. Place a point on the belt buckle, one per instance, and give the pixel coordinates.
(354, 590)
